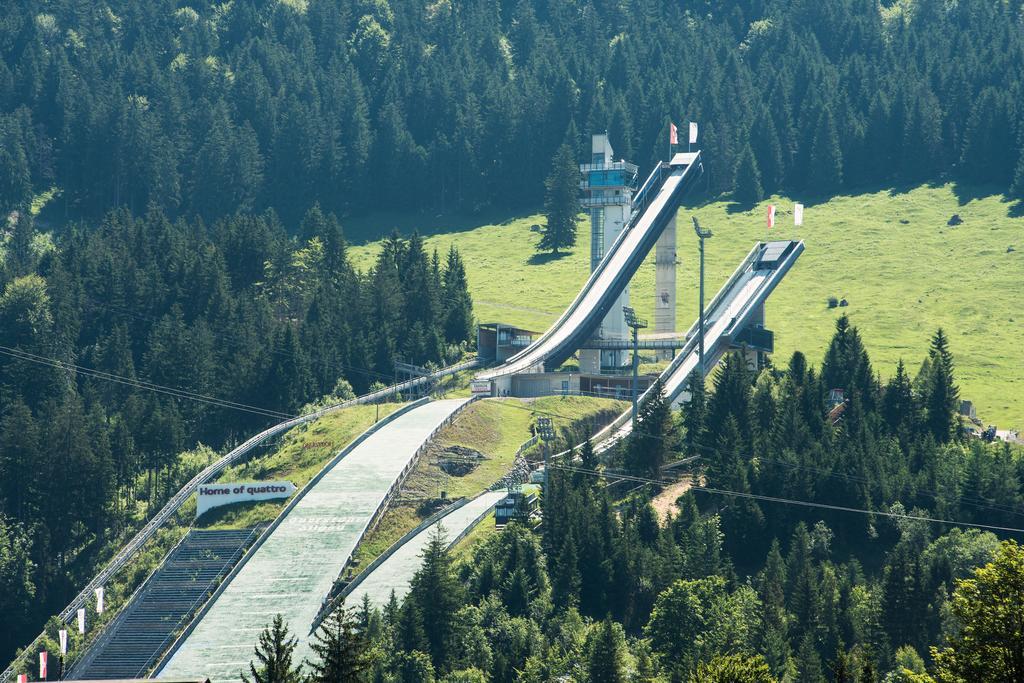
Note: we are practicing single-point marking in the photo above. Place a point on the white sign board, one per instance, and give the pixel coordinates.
(480, 386)
(215, 495)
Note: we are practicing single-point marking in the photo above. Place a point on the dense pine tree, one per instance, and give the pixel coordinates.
(340, 650)
(943, 400)
(274, 654)
(651, 443)
(748, 189)
(825, 170)
(561, 202)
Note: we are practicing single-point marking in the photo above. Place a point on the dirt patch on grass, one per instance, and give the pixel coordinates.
(665, 502)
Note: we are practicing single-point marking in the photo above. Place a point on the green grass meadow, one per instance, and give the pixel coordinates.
(302, 453)
(903, 271)
(496, 428)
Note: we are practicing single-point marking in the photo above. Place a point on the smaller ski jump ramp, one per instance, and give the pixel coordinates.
(293, 569)
(395, 573)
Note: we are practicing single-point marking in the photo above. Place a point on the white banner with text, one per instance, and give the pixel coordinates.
(216, 495)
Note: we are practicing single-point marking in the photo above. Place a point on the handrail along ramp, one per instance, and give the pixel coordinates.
(128, 551)
(659, 201)
(725, 317)
(292, 571)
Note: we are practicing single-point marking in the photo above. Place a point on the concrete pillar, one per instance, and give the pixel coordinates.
(590, 361)
(665, 284)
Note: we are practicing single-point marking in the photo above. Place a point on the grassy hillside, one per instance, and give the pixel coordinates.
(302, 452)
(496, 428)
(891, 255)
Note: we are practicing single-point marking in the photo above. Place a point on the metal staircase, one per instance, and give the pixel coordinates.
(165, 604)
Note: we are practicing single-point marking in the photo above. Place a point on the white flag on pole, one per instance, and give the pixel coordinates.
(771, 216)
(693, 132)
(99, 600)
(63, 642)
(798, 214)
(81, 620)
(42, 665)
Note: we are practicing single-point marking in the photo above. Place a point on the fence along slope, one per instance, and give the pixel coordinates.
(294, 566)
(174, 504)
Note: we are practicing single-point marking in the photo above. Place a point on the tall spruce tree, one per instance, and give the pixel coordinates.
(606, 649)
(561, 202)
(695, 412)
(826, 164)
(436, 592)
(457, 303)
(340, 649)
(652, 441)
(747, 187)
(274, 652)
(943, 394)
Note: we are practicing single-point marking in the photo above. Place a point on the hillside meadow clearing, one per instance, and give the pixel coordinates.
(891, 255)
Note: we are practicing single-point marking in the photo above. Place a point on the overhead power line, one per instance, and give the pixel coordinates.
(968, 500)
(791, 501)
(141, 384)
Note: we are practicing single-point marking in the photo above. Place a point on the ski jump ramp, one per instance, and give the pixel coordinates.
(396, 571)
(738, 305)
(656, 203)
(292, 571)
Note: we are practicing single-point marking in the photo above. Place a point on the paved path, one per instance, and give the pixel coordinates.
(294, 569)
(396, 571)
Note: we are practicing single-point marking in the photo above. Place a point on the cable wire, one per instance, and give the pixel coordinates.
(791, 501)
(971, 501)
(141, 384)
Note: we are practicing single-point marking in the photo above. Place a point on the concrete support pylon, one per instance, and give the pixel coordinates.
(665, 284)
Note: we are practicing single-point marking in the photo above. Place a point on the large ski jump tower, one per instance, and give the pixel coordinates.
(608, 187)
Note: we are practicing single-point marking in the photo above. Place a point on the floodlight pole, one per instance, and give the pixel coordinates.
(635, 324)
(702, 234)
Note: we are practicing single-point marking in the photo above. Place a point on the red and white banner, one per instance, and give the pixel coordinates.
(693, 132)
(673, 134)
(42, 665)
(22, 678)
(63, 642)
(798, 214)
(771, 216)
(99, 600)
(81, 620)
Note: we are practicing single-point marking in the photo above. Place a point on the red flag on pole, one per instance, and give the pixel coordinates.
(22, 678)
(42, 665)
(771, 216)
(673, 134)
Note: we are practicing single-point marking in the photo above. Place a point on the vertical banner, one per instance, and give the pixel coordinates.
(673, 134)
(22, 678)
(99, 600)
(42, 665)
(771, 216)
(798, 214)
(81, 620)
(63, 642)
(693, 132)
